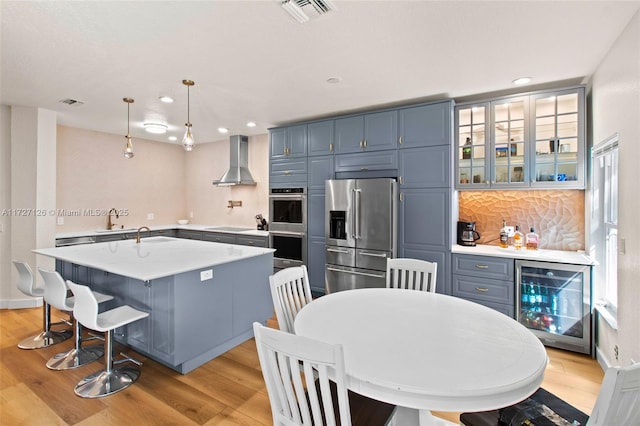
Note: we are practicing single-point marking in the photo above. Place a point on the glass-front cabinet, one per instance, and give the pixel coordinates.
(528, 141)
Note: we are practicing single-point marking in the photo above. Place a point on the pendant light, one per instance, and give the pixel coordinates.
(128, 148)
(187, 141)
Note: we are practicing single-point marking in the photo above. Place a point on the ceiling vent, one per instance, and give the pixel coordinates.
(304, 10)
(70, 101)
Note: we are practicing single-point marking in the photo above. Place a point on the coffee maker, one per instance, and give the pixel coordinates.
(467, 234)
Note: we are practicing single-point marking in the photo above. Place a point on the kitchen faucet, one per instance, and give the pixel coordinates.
(110, 224)
(138, 234)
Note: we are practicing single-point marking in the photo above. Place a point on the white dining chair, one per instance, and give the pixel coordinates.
(290, 292)
(56, 295)
(296, 370)
(412, 274)
(618, 403)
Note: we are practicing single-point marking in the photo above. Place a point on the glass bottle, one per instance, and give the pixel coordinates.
(532, 240)
(504, 235)
(518, 239)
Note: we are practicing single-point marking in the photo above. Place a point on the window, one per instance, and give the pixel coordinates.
(604, 232)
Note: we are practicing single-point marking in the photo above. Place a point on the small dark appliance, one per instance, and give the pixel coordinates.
(467, 234)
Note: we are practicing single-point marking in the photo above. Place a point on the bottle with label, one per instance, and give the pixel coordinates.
(518, 239)
(532, 240)
(504, 235)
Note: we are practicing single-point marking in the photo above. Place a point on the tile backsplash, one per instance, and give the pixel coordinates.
(557, 215)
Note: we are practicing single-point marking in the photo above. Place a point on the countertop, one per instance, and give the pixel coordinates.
(557, 256)
(153, 257)
(208, 228)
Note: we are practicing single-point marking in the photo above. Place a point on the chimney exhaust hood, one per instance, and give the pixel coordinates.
(238, 173)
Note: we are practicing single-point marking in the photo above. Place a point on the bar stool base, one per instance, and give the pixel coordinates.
(75, 357)
(45, 339)
(103, 383)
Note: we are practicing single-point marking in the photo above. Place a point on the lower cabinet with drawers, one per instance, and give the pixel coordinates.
(486, 280)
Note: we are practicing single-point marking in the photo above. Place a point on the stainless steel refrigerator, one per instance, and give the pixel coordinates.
(360, 232)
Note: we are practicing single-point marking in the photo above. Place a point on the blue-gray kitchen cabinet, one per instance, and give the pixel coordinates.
(426, 167)
(320, 138)
(288, 172)
(288, 142)
(425, 125)
(368, 132)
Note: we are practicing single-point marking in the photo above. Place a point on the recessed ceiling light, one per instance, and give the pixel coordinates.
(223, 129)
(522, 80)
(166, 99)
(173, 138)
(334, 80)
(156, 128)
(251, 124)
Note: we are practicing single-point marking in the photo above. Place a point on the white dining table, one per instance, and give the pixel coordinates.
(425, 351)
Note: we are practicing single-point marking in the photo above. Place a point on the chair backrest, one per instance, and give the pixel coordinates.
(25, 278)
(412, 274)
(618, 401)
(289, 364)
(85, 306)
(55, 290)
(290, 292)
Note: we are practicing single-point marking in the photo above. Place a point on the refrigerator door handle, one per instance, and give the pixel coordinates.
(329, 268)
(364, 253)
(357, 195)
(333, 250)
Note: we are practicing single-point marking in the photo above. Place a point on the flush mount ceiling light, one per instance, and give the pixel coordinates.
(156, 128)
(166, 99)
(251, 124)
(187, 140)
(304, 10)
(173, 138)
(128, 148)
(223, 130)
(521, 80)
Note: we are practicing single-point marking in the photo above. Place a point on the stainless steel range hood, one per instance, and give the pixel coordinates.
(238, 173)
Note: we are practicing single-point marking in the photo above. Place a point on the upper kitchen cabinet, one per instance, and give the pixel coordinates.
(320, 136)
(528, 141)
(289, 142)
(368, 132)
(425, 125)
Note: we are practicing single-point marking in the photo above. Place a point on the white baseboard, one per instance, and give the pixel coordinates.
(30, 302)
(602, 360)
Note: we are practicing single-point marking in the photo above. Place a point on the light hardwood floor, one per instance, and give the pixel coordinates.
(228, 390)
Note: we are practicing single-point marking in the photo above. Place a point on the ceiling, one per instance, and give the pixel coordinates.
(251, 61)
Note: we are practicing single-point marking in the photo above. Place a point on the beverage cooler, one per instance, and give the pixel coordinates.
(554, 301)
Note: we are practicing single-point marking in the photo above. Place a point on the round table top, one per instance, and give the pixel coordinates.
(426, 350)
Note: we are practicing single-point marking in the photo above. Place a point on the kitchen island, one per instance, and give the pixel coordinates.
(202, 297)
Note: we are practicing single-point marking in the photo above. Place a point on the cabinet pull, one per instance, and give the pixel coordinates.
(482, 289)
(365, 143)
(287, 172)
(400, 180)
(482, 267)
(402, 196)
(399, 140)
(364, 169)
(331, 147)
(361, 145)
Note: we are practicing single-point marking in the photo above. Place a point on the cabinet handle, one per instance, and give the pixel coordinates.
(331, 147)
(287, 172)
(402, 196)
(482, 267)
(399, 140)
(365, 143)
(400, 180)
(361, 145)
(482, 289)
(364, 169)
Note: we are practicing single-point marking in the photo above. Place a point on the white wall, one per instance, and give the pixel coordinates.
(615, 94)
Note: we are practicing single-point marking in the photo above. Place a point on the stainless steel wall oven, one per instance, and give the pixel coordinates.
(288, 226)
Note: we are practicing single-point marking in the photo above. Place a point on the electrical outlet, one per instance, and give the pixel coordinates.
(150, 216)
(206, 275)
(511, 230)
(615, 351)
(60, 220)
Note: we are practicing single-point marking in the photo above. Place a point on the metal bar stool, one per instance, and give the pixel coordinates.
(55, 293)
(47, 337)
(110, 380)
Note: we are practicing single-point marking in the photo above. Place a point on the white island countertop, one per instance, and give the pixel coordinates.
(557, 256)
(235, 229)
(153, 257)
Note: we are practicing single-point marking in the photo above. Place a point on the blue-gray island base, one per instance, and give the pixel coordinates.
(193, 318)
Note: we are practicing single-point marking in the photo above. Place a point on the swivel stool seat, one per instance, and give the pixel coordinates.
(55, 293)
(48, 337)
(110, 380)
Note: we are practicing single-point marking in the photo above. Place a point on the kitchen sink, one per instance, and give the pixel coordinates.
(228, 229)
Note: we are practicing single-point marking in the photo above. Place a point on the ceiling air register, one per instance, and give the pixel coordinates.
(304, 10)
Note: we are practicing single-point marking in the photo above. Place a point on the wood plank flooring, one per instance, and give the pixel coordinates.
(228, 390)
